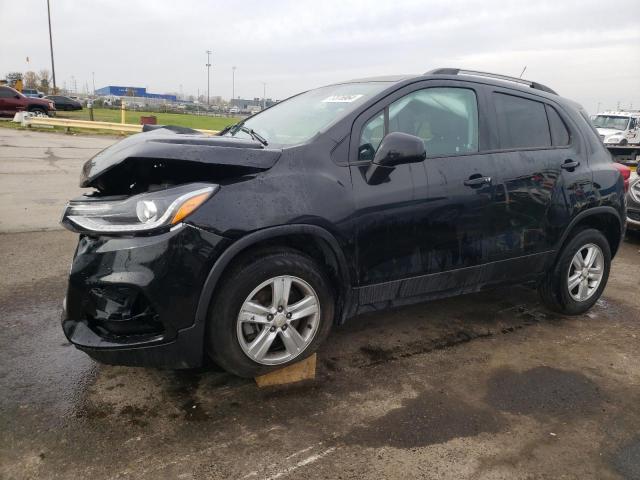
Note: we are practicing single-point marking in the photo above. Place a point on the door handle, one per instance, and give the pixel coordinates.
(477, 180)
(569, 164)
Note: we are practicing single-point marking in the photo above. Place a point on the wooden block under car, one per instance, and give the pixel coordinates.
(296, 372)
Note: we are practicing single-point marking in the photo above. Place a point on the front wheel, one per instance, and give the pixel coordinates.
(580, 274)
(38, 111)
(274, 309)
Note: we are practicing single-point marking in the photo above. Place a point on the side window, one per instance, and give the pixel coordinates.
(6, 93)
(446, 119)
(522, 123)
(559, 133)
(371, 136)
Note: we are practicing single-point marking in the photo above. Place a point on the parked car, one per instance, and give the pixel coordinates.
(349, 198)
(12, 101)
(64, 103)
(633, 203)
(32, 92)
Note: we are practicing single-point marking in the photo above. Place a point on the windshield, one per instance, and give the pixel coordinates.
(299, 118)
(610, 121)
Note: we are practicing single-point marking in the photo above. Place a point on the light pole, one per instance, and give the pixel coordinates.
(53, 68)
(264, 95)
(233, 83)
(93, 79)
(209, 52)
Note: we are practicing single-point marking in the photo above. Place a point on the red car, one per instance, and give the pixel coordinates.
(12, 101)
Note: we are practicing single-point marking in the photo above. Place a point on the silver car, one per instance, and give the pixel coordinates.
(633, 203)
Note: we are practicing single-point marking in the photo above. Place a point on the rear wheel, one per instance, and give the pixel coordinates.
(274, 309)
(580, 274)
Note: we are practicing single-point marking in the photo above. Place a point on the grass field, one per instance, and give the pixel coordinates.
(183, 120)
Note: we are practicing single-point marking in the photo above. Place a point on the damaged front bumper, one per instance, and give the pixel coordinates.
(133, 300)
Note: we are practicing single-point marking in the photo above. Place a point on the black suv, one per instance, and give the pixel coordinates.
(365, 195)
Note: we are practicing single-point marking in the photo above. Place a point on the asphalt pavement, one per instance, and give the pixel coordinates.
(484, 386)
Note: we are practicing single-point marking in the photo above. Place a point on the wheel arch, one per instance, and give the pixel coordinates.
(604, 218)
(310, 239)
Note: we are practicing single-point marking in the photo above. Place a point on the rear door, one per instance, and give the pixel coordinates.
(545, 175)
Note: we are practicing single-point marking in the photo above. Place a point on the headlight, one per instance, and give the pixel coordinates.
(138, 213)
(614, 140)
(635, 190)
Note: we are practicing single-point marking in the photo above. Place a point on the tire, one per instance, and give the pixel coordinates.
(38, 111)
(554, 288)
(227, 342)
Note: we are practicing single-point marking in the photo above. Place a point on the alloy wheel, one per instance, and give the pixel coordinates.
(585, 272)
(278, 320)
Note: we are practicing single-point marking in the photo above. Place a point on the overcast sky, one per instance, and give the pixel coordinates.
(586, 50)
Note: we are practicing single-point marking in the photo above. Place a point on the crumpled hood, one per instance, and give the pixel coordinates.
(156, 149)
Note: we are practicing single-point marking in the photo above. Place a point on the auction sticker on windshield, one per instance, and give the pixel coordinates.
(342, 98)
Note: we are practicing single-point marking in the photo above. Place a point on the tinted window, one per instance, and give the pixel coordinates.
(559, 133)
(6, 93)
(522, 123)
(446, 119)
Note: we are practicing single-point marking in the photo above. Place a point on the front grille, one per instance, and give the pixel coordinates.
(115, 310)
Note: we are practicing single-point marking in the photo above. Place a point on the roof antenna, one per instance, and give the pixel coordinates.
(522, 72)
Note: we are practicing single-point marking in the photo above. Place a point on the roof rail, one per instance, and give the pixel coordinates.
(461, 71)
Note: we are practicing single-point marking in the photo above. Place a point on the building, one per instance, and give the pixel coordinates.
(116, 91)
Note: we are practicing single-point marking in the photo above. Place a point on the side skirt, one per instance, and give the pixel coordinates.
(446, 284)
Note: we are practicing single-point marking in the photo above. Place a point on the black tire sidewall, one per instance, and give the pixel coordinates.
(584, 237)
(221, 337)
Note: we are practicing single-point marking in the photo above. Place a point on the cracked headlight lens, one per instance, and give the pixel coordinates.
(138, 213)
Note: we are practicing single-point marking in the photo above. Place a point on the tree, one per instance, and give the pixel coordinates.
(44, 79)
(30, 79)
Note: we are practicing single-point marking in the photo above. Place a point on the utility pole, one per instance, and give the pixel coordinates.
(209, 52)
(93, 79)
(264, 95)
(53, 68)
(233, 83)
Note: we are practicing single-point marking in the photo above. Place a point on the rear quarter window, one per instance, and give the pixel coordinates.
(559, 133)
(522, 123)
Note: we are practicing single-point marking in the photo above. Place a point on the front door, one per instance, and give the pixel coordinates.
(430, 219)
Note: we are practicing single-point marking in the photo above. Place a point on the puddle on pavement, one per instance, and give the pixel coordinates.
(626, 460)
(543, 391)
(430, 418)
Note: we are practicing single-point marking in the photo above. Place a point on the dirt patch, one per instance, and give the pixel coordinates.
(543, 391)
(430, 418)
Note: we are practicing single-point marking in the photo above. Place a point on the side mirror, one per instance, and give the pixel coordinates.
(17, 96)
(397, 148)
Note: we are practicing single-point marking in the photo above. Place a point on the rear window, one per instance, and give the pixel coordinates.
(522, 123)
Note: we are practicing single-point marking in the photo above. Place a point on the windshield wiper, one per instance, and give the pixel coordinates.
(253, 133)
(239, 127)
